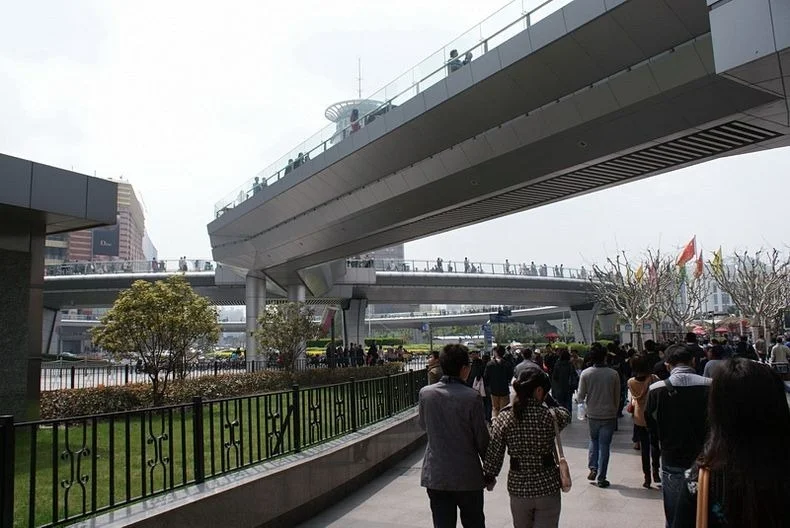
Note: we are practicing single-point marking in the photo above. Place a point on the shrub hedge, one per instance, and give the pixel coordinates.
(69, 403)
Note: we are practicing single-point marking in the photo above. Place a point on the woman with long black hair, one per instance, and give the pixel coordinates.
(746, 454)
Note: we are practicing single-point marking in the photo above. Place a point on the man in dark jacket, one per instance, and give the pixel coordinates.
(526, 363)
(451, 413)
(677, 413)
(477, 367)
(696, 351)
(651, 353)
(498, 376)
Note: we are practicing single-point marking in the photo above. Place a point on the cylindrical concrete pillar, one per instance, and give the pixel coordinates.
(255, 301)
(354, 327)
(608, 324)
(297, 292)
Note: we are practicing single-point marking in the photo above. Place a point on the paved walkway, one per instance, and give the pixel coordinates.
(396, 499)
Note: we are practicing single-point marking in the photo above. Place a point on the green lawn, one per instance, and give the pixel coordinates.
(87, 466)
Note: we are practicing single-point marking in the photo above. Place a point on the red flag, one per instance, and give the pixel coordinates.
(699, 267)
(326, 320)
(688, 252)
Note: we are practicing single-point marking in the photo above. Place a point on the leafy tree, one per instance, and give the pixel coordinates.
(158, 323)
(284, 329)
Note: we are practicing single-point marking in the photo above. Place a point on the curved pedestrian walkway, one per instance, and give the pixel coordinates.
(395, 499)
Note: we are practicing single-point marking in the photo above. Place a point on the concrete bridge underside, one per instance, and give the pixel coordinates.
(595, 95)
(95, 291)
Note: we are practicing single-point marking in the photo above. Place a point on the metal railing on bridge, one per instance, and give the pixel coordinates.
(449, 312)
(470, 267)
(96, 267)
(505, 23)
(389, 265)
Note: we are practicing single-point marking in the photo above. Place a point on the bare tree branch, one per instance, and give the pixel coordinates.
(759, 285)
(683, 296)
(634, 294)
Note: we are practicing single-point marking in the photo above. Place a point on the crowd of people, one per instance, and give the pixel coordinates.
(125, 266)
(354, 355)
(441, 266)
(716, 408)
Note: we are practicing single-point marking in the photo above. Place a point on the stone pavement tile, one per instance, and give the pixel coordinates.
(396, 498)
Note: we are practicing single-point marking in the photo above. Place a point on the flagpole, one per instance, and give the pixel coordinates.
(683, 297)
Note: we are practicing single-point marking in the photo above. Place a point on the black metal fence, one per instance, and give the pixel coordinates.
(59, 471)
(80, 376)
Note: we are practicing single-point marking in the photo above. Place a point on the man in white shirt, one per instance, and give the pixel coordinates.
(779, 352)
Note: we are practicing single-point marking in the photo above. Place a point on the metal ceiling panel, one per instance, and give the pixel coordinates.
(653, 26)
(580, 12)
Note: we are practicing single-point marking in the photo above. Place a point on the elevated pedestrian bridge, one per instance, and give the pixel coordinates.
(97, 284)
(400, 320)
(560, 99)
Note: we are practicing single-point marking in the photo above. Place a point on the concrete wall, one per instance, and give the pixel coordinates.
(20, 331)
(279, 493)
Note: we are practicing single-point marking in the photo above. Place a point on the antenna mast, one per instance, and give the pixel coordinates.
(359, 77)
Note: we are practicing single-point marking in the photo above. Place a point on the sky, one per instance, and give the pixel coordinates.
(187, 100)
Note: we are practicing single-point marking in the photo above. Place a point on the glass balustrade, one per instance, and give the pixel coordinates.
(380, 265)
(451, 311)
(470, 267)
(130, 266)
(505, 23)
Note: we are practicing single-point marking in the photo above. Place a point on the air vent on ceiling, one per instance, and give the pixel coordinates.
(693, 147)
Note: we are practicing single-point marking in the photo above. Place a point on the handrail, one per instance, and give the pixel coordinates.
(96, 267)
(471, 42)
(469, 267)
(380, 265)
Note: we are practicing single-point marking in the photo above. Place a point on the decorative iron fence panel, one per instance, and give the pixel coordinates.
(54, 472)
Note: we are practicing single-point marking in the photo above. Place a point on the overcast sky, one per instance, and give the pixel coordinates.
(186, 100)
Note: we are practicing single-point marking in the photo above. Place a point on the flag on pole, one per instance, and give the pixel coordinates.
(688, 252)
(640, 272)
(682, 270)
(717, 264)
(326, 319)
(699, 268)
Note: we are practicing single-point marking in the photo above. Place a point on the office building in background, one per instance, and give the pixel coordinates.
(126, 240)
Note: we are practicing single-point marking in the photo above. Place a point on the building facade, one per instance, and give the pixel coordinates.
(126, 240)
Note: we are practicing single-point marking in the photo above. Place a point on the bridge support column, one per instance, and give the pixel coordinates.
(50, 331)
(354, 329)
(583, 321)
(298, 293)
(255, 300)
(608, 324)
(21, 318)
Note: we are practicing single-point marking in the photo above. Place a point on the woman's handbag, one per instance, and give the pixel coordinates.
(630, 408)
(479, 386)
(562, 464)
(703, 493)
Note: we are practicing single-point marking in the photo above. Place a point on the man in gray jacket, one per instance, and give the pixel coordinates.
(599, 388)
(451, 413)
